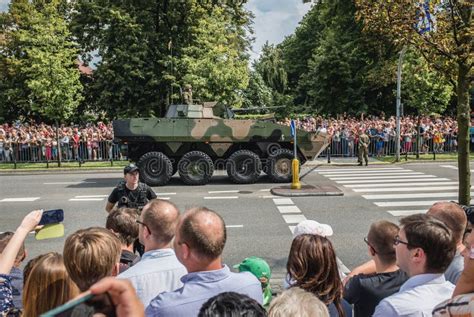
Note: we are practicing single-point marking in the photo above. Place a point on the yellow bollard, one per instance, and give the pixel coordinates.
(295, 165)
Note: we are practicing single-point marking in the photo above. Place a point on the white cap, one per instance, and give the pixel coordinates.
(312, 227)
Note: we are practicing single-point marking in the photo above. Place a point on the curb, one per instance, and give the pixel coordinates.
(60, 171)
(78, 170)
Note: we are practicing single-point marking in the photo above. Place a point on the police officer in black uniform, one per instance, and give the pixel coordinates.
(130, 192)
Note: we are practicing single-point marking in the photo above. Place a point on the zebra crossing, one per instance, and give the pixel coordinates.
(399, 191)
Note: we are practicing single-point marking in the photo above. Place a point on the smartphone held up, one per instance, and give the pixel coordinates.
(52, 226)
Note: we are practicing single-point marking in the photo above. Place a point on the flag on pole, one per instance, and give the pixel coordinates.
(293, 128)
(426, 21)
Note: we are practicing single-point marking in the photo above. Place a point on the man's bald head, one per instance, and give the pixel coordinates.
(203, 230)
(452, 215)
(161, 217)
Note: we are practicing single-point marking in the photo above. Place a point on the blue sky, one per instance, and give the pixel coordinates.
(274, 19)
(4, 5)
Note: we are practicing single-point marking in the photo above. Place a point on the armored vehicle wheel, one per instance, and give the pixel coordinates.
(195, 168)
(244, 167)
(155, 168)
(279, 166)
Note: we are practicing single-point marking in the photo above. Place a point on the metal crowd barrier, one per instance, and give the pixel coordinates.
(110, 151)
(82, 152)
(378, 147)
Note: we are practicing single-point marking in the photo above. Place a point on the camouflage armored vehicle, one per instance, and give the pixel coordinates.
(195, 140)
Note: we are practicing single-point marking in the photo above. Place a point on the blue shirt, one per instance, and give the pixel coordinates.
(199, 287)
(417, 297)
(158, 271)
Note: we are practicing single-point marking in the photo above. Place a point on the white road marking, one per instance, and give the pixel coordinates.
(265, 190)
(294, 218)
(269, 196)
(92, 196)
(407, 196)
(234, 226)
(403, 213)
(86, 199)
(164, 194)
(292, 229)
(366, 172)
(289, 209)
(68, 183)
(164, 198)
(223, 191)
(405, 203)
(385, 181)
(450, 166)
(19, 199)
(221, 197)
(283, 201)
(380, 177)
(360, 169)
(405, 189)
(403, 184)
(374, 174)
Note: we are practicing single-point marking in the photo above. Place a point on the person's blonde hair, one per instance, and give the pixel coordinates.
(91, 254)
(47, 286)
(296, 302)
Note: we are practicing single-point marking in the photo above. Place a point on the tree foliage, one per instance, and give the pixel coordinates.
(257, 94)
(423, 89)
(442, 31)
(39, 75)
(149, 49)
(333, 67)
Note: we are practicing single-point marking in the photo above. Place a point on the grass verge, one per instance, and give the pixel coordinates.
(64, 165)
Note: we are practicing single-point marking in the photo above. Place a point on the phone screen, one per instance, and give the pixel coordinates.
(52, 216)
(87, 305)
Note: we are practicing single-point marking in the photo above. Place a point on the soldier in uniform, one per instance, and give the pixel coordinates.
(130, 192)
(364, 142)
(188, 94)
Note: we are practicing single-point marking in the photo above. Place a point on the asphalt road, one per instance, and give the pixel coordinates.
(258, 222)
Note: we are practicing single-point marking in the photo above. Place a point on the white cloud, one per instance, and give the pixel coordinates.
(274, 19)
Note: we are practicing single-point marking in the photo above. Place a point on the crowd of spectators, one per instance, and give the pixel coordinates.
(39, 142)
(422, 267)
(437, 134)
(95, 141)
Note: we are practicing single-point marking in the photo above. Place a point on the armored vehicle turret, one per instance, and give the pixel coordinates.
(194, 140)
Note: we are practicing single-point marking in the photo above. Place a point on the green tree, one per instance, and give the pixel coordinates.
(215, 63)
(14, 93)
(334, 67)
(270, 66)
(148, 49)
(442, 31)
(257, 94)
(424, 90)
(51, 70)
(38, 62)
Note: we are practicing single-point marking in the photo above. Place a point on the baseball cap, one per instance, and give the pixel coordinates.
(255, 265)
(312, 227)
(130, 168)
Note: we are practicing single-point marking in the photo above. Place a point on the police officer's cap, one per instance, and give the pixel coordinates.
(130, 168)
